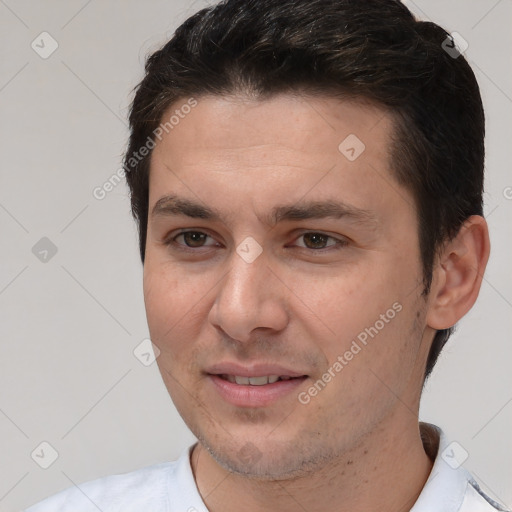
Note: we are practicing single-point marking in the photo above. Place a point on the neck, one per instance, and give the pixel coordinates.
(385, 472)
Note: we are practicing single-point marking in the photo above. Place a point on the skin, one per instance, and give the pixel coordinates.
(356, 444)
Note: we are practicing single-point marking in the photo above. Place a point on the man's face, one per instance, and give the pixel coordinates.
(273, 287)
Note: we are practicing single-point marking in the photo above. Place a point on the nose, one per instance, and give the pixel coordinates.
(250, 297)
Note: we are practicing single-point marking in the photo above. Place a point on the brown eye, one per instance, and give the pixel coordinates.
(194, 238)
(315, 240)
(191, 239)
(320, 241)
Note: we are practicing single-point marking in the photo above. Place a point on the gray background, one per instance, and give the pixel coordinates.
(69, 325)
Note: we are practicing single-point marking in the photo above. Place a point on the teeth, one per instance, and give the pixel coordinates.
(253, 381)
(258, 381)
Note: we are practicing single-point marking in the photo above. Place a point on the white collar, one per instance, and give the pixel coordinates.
(450, 487)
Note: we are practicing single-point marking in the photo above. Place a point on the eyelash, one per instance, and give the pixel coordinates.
(339, 243)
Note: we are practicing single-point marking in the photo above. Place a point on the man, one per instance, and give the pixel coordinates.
(307, 179)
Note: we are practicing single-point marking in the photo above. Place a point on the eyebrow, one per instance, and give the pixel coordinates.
(172, 205)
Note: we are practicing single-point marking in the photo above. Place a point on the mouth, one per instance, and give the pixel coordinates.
(254, 386)
(256, 381)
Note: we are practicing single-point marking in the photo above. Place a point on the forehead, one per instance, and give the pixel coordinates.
(285, 124)
(231, 150)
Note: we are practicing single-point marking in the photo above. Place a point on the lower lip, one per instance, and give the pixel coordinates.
(254, 396)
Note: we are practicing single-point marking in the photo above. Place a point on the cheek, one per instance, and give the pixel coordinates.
(343, 304)
(370, 315)
(171, 300)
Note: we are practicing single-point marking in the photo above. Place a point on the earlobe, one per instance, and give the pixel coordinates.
(458, 274)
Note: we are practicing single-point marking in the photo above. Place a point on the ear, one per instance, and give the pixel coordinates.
(458, 274)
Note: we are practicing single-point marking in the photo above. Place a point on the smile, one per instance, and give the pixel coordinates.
(254, 381)
(255, 391)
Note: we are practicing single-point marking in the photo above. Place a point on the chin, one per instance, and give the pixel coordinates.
(264, 460)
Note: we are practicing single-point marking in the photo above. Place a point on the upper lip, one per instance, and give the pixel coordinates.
(253, 370)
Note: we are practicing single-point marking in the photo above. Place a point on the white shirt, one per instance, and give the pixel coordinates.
(170, 487)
